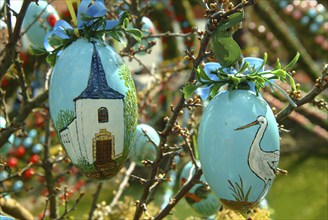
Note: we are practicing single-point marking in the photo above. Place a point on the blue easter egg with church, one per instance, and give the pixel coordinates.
(238, 143)
(93, 106)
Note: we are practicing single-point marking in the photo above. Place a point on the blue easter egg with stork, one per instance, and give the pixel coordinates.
(200, 197)
(239, 147)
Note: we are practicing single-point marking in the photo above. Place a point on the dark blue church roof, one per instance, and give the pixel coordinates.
(97, 87)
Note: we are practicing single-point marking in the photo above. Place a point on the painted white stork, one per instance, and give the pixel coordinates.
(262, 163)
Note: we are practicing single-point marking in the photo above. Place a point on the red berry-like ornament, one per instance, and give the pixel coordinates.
(34, 158)
(4, 82)
(12, 162)
(51, 19)
(29, 173)
(20, 152)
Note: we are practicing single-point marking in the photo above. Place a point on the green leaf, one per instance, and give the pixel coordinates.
(85, 17)
(118, 36)
(232, 20)
(55, 41)
(278, 64)
(194, 140)
(125, 23)
(293, 62)
(225, 48)
(51, 59)
(264, 62)
(37, 50)
(189, 89)
(202, 74)
(291, 81)
(243, 68)
(135, 33)
(215, 88)
(123, 16)
(280, 73)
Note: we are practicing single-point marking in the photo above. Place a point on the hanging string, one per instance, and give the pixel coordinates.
(71, 10)
(285, 94)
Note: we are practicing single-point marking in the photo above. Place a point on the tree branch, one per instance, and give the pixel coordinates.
(308, 98)
(10, 51)
(94, 200)
(22, 115)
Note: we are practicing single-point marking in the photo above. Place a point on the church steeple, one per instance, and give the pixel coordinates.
(97, 87)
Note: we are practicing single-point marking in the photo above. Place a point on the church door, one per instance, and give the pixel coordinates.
(104, 151)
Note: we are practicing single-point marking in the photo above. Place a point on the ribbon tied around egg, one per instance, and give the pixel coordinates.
(91, 23)
(213, 78)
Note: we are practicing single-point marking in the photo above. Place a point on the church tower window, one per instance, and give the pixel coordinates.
(102, 115)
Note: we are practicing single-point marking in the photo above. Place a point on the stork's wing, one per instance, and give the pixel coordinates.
(271, 156)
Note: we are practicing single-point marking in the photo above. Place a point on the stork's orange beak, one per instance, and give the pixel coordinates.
(247, 126)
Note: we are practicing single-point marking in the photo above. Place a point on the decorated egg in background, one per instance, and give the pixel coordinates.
(6, 147)
(239, 148)
(199, 197)
(48, 17)
(142, 149)
(147, 29)
(93, 106)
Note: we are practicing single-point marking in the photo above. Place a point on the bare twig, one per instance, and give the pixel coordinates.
(45, 209)
(94, 200)
(10, 51)
(18, 173)
(308, 98)
(8, 19)
(122, 186)
(22, 115)
(164, 212)
(67, 211)
(170, 34)
(22, 80)
(47, 166)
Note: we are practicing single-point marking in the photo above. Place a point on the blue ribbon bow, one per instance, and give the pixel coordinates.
(95, 10)
(210, 67)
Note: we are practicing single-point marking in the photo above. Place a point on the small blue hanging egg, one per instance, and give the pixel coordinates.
(93, 105)
(199, 197)
(37, 148)
(238, 144)
(38, 21)
(147, 29)
(18, 185)
(142, 149)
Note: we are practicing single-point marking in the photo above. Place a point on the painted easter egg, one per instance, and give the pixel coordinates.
(142, 149)
(199, 197)
(6, 147)
(93, 105)
(38, 21)
(239, 148)
(147, 29)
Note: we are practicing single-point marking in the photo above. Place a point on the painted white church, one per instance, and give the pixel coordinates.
(96, 134)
